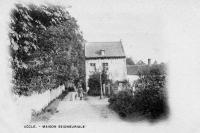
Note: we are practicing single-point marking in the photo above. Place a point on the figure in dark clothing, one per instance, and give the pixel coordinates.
(80, 91)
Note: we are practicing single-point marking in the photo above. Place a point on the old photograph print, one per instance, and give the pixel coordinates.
(60, 75)
(100, 66)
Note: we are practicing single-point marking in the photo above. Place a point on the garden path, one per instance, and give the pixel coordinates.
(93, 109)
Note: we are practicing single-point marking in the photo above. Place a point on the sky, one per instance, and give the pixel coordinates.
(139, 25)
(147, 28)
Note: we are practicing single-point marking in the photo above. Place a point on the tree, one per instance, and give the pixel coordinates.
(149, 100)
(94, 82)
(34, 62)
(155, 62)
(64, 47)
(151, 94)
(27, 22)
(129, 61)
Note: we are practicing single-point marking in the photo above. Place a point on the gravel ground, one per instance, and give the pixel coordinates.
(96, 116)
(93, 109)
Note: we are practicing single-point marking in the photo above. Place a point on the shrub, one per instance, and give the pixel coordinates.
(94, 83)
(150, 103)
(122, 102)
(150, 95)
(125, 84)
(149, 100)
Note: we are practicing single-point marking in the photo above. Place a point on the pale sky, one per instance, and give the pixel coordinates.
(147, 28)
(144, 26)
(139, 25)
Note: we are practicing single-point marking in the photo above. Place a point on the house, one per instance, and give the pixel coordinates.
(132, 73)
(132, 70)
(106, 55)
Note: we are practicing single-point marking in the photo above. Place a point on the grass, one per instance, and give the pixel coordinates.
(49, 110)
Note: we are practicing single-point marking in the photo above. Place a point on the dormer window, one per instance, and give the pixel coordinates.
(102, 52)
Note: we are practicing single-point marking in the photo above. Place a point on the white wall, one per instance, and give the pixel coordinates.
(36, 102)
(116, 68)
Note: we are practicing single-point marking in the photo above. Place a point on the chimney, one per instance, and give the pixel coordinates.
(149, 62)
(102, 52)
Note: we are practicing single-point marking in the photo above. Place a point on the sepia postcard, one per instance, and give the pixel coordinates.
(100, 66)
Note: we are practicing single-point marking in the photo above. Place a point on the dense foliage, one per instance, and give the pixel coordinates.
(94, 82)
(46, 48)
(122, 102)
(149, 100)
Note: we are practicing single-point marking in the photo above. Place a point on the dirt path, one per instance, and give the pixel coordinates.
(91, 110)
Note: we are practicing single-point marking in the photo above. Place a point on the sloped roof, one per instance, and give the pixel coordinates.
(112, 49)
(133, 69)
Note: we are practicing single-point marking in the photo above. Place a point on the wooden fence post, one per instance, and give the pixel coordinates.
(104, 89)
(108, 89)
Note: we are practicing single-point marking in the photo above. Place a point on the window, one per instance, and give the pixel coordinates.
(105, 66)
(93, 66)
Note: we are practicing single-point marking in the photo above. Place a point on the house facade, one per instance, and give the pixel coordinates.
(132, 73)
(106, 55)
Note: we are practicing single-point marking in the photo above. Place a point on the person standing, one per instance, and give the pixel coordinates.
(80, 91)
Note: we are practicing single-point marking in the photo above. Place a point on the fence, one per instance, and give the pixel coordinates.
(56, 92)
(25, 105)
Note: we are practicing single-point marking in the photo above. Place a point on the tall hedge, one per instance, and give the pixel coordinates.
(46, 48)
(149, 100)
(94, 82)
(94, 85)
(151, 92)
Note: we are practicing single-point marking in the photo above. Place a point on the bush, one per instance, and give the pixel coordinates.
(122, 102)
(150, 103)
(94, 83)
(149, 100)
